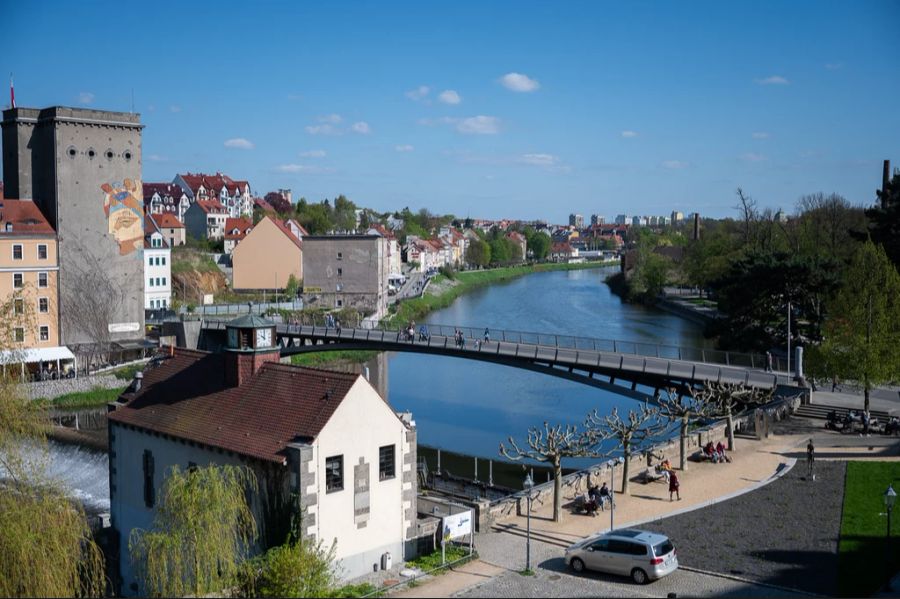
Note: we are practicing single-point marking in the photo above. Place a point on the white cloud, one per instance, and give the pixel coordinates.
(753, 157)
(629, 133)
(449, 97)
(674, 164)
(313, 154)
(361, 127)
(519, 83)
(760, 135)
(773, 80)
(479, 125)
(305, 169)
(85, 98)
(174, 108)
(404, 148)
(539, 159)
(156, 158)
(833, 66)
(240, 143)
(332, 118)
(325, 129)
(418, 93)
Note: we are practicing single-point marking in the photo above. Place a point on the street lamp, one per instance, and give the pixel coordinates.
(529, 484)
(890, 496)
(612, 491)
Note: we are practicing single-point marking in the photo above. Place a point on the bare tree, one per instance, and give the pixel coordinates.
(730, 399)
(550, 445)
(684, 408)
(630, 432)
(92, 298)
(746, 206)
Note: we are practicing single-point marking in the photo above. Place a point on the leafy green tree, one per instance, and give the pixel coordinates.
(293, 286)
(884, 217)
(295, 569)
(200, 533)
(478, 253)
(538, 244)
(501, 252)
(862, 333)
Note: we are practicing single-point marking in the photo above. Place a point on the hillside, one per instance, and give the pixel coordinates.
(194, 274)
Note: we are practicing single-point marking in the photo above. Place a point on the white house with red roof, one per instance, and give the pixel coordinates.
(205, 219)
(233, 194)
(324, 446)
(171, 228)
(157, 268)
(235, 230)
(166, 198)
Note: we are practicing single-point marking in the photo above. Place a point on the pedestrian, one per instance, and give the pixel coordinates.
(337, 325)
(674, 486)
(866, 420)
(834, 384)
(810, 460)
(487, 335)
(768, 361)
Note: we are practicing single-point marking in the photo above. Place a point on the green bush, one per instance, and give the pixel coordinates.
(432, 561)
(298, 569)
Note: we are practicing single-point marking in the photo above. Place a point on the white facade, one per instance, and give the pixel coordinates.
(157, 273)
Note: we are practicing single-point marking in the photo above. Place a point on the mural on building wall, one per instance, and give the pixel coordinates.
(125, 214)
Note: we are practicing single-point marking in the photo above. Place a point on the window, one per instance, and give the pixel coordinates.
(45, 333)
(340, 256)
(151, 282)
(149, 494)
(334, 474)
(386, 468)
(19, 305)
(19, 334)
(43, 305)
(18, 280)
(42, 252)
(42, 279)
(340, 272)
(164, 281)
(17, 251)
(163, 260)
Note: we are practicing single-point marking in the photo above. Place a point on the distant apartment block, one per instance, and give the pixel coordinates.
(267, 257)
(166, 198)
(576, 220)
(623, 219)
(597, 219)
(157, 268)
(205, 219)
(346, 271)
(234, 195)
(677, 217)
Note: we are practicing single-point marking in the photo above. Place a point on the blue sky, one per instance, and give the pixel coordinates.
(488, 109)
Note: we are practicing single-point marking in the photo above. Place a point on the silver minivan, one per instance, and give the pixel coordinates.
(642, 555)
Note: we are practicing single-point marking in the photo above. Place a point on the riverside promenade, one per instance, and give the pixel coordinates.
(760, 475)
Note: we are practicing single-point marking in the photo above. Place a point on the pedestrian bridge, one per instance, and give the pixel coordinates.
(618, 366)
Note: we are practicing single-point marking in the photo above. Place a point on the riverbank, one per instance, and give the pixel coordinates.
(443, 290)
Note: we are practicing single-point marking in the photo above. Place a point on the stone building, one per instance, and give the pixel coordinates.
(324, 446)
(82, 168)
(346, 271)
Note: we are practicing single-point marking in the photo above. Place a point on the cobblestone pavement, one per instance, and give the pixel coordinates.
(552, 580)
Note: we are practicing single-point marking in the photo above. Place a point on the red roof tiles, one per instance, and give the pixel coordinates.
(185, 396)
(167, 220)
(22, 217)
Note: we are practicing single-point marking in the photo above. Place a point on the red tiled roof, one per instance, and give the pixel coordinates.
(185, 396)
(561, 247)
(212, 182)
(303, 231)
(241, 225)
(25, 218)
(150, 227)
(167, 220)
(516, 236)
(286, 230)
(163, 189)
(211, 206)
(263, 205)
(382, 230)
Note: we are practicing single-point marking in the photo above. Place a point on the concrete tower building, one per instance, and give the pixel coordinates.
(83, 170)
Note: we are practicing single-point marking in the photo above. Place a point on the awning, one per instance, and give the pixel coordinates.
(35, 354)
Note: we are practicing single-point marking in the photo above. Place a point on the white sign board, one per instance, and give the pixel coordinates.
(124, 327)
(207, 299)
(457, 525)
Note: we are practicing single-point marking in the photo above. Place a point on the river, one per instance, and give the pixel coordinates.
(470, 407)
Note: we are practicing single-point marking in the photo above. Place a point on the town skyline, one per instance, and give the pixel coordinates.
(538, 104)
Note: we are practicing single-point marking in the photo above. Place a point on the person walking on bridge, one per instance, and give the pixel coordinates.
(487, 335)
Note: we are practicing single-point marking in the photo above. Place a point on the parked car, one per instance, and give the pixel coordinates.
(642, 555)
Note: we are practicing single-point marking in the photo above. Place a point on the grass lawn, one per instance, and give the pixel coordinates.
(863, 551)
(85, 399)
(323, 358)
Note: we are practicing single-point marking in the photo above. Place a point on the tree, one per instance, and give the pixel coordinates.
(631, 432)
(862, 333)
(727, 400)
(279, 203)
(200, 533)
(501, 252)
(478, 253)
(46, 545)
(292, 287)
(884, 219)
(550, 445)
(539, 244)
(295, 569)
(683, 408)
(746, 206)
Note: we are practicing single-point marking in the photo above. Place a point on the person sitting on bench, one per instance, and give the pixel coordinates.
(603, 496)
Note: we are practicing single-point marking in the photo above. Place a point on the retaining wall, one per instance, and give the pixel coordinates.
(53, 389)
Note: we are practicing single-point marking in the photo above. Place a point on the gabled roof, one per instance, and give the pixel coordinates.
(561, 247)
(167, 220)
(241, 225)
(291, 221)
(262, 205)
(515, 236)
(381, 230)
(211, 206)
(149, 229)
(287, 231)
(25, 218)
(163, 189)
(185, 396)
(212, 182)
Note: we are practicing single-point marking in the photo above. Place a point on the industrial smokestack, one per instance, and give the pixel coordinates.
(696, 236)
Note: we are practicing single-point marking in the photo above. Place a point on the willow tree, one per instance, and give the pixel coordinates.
(46, 545)
(683, 408)
(201, 532)
(634, 430)
(550, 445)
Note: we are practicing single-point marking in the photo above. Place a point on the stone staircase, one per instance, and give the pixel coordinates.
(820, 411)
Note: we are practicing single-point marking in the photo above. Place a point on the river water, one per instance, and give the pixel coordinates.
(470, 407)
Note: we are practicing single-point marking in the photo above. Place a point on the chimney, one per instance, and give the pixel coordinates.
(240, 366)
(885, 179)
(696, 236)
(138, 381)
